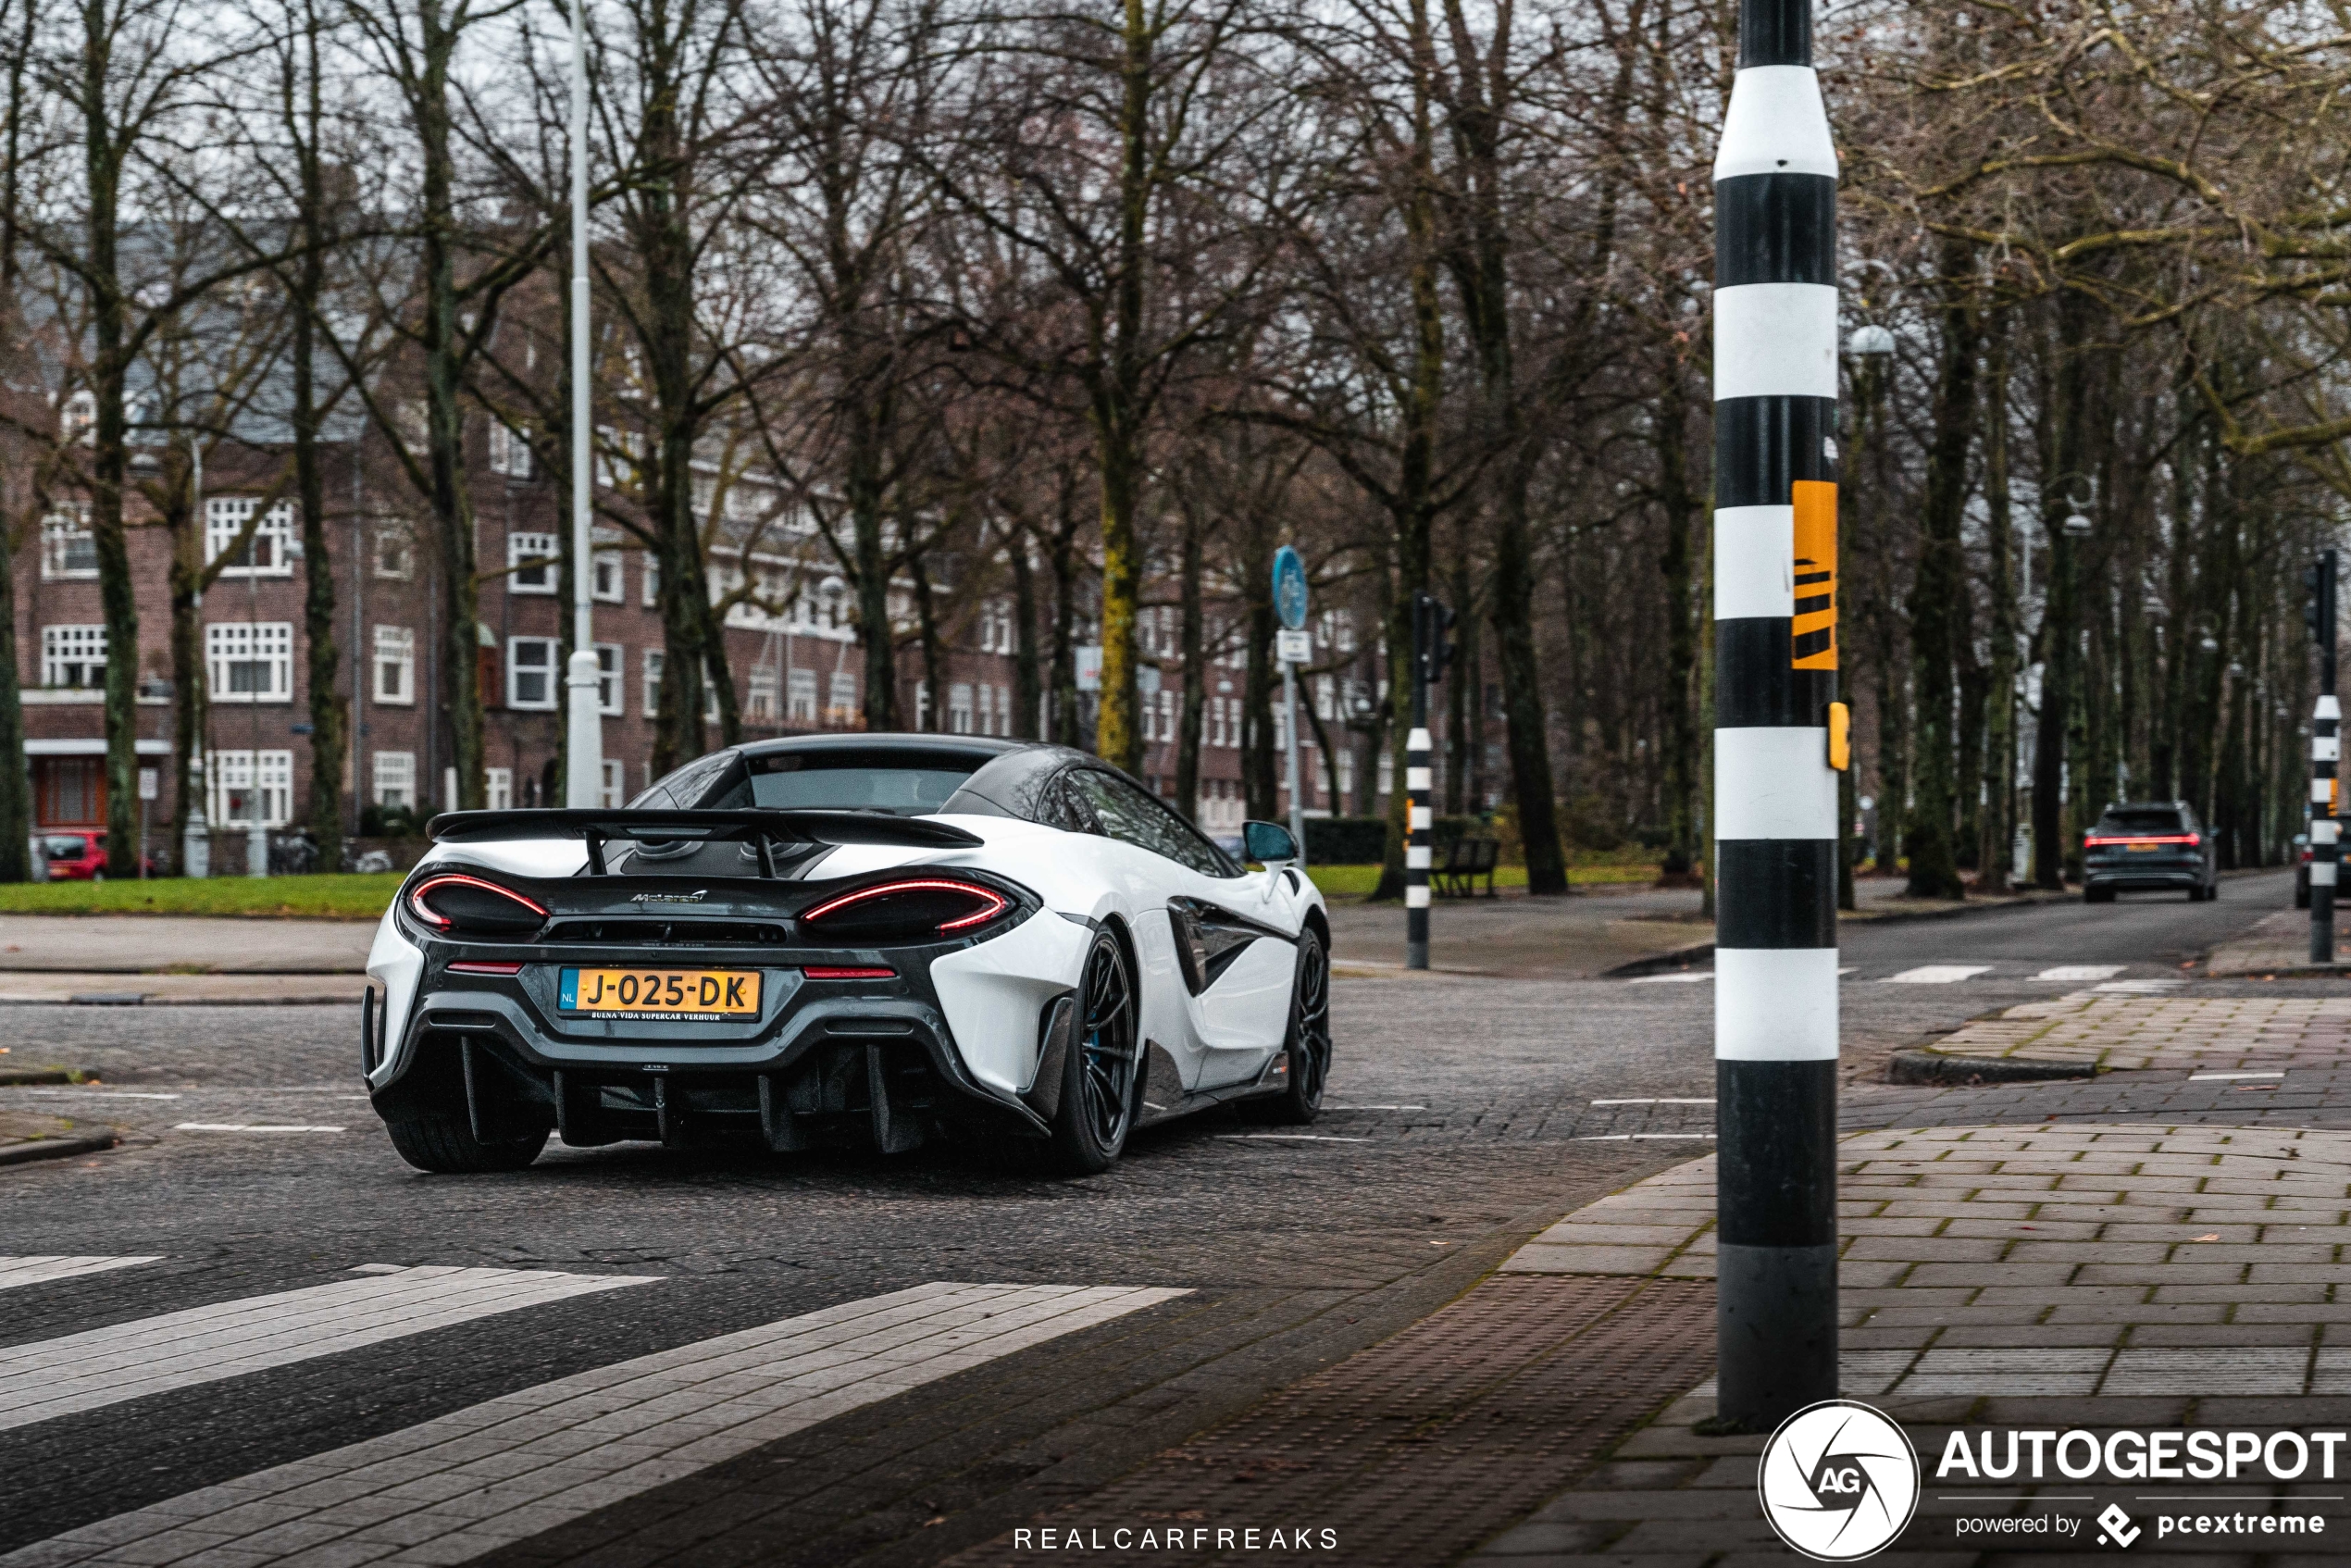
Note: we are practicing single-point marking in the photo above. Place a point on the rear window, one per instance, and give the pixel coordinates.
(2129, 821)
(63, 849)
(903, 783)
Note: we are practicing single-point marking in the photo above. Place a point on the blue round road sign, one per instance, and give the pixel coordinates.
(1290, 587)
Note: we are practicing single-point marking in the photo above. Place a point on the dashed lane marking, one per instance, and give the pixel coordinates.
(1329, 1108)
(39, 1268)
(1288, 1137)
(2079, 974)
(104, 1366)
(454, 1487)
(1936, 974)
(1688, 979)
(2211, 1078)
(2138, 987)
(250, 1126)
(1707, 1100)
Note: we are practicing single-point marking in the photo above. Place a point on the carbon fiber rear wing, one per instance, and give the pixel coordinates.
(764, 828)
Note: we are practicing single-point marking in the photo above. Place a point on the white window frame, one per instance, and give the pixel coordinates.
(652, 578)
(611, 659)
(549, 669)
(395, 654)
(231, 773)
(959, 707)
(79, 649)
(608, 582)
(610, 794)
(395, 773)
(534, 562)
(841, 698)
(652, 661)
(65, 534)
(395, 551)
(800, 697)
(498, 788)
(509, 449)
(271, 551)
(763, 693)
(268, 644)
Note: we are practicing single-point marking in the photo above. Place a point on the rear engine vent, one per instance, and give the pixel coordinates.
(669, 933)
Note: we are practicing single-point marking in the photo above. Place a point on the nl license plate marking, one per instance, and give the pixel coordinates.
(669, 995)
(2143, 849)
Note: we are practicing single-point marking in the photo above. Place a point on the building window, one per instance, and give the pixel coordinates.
(616, 781)
(249, 662)
(608, 668)
(231, 786)
(68, 550)
(987, 695)
(531, 673)
(802, 695)
(531, 563)
(652, 681)
(841, 702)
(77, 420)
(500, 793)
(606, 584)
(395, 551)
(652, 578)
(269, 553)
(73, 655)
(395, 779)
(959, 709)
(759, 695)
(395, 666)
(509, 450)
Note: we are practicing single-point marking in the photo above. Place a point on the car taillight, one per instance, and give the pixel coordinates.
(505, 969)
(850, 973)
(907, 909)
(455, 901)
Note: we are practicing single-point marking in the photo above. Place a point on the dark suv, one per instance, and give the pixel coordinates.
(2149, 844)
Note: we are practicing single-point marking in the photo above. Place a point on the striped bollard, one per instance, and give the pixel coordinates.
(1775, 1001)
(2326, 745)
(1417, 825)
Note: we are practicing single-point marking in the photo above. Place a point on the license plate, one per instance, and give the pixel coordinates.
(660, 993)
(2143, 849)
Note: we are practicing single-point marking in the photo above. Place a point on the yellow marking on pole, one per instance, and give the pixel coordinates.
(1814, 629)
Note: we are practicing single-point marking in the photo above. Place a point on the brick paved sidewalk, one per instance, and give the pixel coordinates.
(2053, 1277)
(2113, 1030)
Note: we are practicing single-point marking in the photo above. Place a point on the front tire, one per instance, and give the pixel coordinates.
(445, 1145)
(1307, 1043)
(1099, 1073)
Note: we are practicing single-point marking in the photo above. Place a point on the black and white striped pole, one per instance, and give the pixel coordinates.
(1780, 734)
(1430, 653)
(2326, 750)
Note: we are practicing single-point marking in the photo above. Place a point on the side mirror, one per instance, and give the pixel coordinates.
(1268, 844)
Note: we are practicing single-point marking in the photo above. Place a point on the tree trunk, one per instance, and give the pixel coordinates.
(1259, 789)
(1995, 856)
(1938, 589)
(329, 711)
(1193, 631)
(1676, 564)
(1027, 688)
(2060, 465)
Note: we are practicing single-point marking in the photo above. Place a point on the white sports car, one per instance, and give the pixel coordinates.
(845, 940)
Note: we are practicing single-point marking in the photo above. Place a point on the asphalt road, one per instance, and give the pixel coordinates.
(1463, 1118)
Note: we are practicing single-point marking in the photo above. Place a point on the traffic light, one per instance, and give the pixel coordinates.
(1431, 621)
(2318, 604)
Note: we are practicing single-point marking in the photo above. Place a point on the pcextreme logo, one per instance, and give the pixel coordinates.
(1839, 1481)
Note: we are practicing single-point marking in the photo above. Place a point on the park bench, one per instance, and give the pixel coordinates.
(1466, 860)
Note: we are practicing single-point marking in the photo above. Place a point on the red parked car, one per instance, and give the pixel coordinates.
(78, 854)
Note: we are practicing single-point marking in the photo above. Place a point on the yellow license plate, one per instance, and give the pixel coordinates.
(2143, 849)
(660, 993)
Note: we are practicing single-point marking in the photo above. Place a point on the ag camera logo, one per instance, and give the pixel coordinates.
(1839, 1481)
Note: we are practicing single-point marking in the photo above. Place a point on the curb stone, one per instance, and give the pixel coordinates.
(13, 1077)
(56, 1148)
(1933, 1067)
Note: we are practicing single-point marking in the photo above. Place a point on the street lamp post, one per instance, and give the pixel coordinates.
(584, 732)
(1779, 729)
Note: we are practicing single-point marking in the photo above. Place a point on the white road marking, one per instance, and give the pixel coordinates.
(1936, 974)
(1288, 1137)
(248, 1127)
(465, 1484)
(2079, 973)
(1671, 979)
(1375, 1107)
(2137, 988)
(1707, 1100)
(106, 1093)
(1707, 1136)
(103, 1367)
(2207, 1077)
(34, 1270)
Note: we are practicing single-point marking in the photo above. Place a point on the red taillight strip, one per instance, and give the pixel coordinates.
(2148, 839)
(996, 902)
(485, 968)
(850, 973)
(441, 922)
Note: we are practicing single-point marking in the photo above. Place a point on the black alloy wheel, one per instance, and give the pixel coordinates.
(1098, 1089)
(1308, 1046)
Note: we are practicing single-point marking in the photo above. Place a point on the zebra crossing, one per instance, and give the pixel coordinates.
(463, 1483)
(2099, 977)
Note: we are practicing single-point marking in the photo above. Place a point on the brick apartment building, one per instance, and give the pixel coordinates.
(797, 666)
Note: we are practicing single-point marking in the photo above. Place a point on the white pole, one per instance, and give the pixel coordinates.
(584, 738)
(1297, 803)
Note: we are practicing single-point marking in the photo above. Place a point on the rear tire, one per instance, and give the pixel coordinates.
(1100, 1072)
(1307, 1044)
(445, 1145)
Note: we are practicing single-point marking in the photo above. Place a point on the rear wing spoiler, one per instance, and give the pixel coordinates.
(764, 828)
